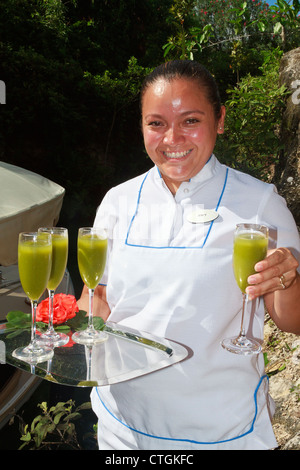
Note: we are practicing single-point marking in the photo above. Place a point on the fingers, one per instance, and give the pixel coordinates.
(276, 272)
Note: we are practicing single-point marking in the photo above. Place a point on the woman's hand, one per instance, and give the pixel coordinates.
(278, 271)
(277, 279)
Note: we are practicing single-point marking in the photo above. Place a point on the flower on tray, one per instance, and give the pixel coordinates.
(64, 308)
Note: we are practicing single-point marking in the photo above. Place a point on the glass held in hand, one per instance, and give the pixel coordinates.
(249, 247)
(59, 236)
(34, 261)
(91, 252)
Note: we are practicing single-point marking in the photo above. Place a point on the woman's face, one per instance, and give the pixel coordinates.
(179, 128)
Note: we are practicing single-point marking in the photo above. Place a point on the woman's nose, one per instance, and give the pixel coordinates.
(173, 136)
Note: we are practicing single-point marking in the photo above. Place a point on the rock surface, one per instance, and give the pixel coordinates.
(289, 184)
(282, 354)
(282, 350)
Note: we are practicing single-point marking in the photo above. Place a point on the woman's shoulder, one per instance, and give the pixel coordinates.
(250, 182)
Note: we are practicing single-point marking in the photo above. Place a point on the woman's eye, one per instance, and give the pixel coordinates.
(192, 121)
(154, 124)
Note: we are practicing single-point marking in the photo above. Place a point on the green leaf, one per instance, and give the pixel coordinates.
(62, 328)
(60, 406)
(26, 437)
(17, 319)
(70, 430)
(43, 406)
(85, 406)
(15, 316)
(98, 323)
(74, 415)
(167, 48)
(14, 333)
(34, 422)
(261, 26)
(78, 321)
(266, 360)
(58, 416)
(40, 325)
(277, 27)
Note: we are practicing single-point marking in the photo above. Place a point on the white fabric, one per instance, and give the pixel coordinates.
(28, 201)
(174, 279)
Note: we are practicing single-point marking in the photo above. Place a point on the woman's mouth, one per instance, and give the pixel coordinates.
(177, 155)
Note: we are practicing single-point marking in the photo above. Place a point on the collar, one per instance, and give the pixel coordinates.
(207, 172)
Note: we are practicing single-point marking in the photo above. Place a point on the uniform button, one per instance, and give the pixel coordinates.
(186, 190)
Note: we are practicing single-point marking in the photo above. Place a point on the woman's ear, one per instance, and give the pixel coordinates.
(221, 121)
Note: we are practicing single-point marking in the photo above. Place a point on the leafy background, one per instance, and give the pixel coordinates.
(73, 70)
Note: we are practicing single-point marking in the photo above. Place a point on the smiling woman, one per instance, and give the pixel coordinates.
(169, 272)
(180, 120)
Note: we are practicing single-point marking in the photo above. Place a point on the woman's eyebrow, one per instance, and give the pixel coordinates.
(185, 113)
(152, 115)
(193, 111)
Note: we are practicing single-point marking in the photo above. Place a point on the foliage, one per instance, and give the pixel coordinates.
(54, 429)
(234, 27)
(72, 71)
(118, 92)
(68, 115)
(179, 15)
(251, 141)
(286, 21)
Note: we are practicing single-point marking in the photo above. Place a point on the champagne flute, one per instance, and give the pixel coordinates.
(59, 237)
(92, 247)
(34, 260)
(249, 247)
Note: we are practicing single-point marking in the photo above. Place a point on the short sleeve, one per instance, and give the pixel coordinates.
(283, 231)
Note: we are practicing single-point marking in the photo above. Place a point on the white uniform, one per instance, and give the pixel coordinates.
(173, 278)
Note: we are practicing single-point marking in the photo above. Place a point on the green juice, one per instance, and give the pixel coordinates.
(91, 258)
(34, 259)
(59, 260)
(248, 249)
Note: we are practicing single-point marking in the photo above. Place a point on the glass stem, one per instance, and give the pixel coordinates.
(49, 364)
(245, 299)
(91, 302)
(33, 320)
(89, 365)
(50, 323)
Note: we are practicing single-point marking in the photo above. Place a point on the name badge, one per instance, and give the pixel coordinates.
(200, 216)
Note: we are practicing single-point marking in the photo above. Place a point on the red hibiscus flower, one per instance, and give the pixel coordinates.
(64, 308)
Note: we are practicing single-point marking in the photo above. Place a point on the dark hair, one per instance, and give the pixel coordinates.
(189, 70)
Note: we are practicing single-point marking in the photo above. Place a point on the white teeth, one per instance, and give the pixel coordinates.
(176, 154)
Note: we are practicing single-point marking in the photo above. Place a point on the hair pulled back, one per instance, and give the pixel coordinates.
(188, 70)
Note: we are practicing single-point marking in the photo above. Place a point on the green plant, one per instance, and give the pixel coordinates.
(251, 142)
(54, 428)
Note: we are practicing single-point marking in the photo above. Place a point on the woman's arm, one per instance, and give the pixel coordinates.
(277, 270)
(100, 305)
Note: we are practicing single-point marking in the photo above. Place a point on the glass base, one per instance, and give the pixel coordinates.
(89, 337)
(33, 354)
(52, 339)
(241, 345)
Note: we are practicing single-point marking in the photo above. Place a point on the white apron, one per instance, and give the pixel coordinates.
(183, 289)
